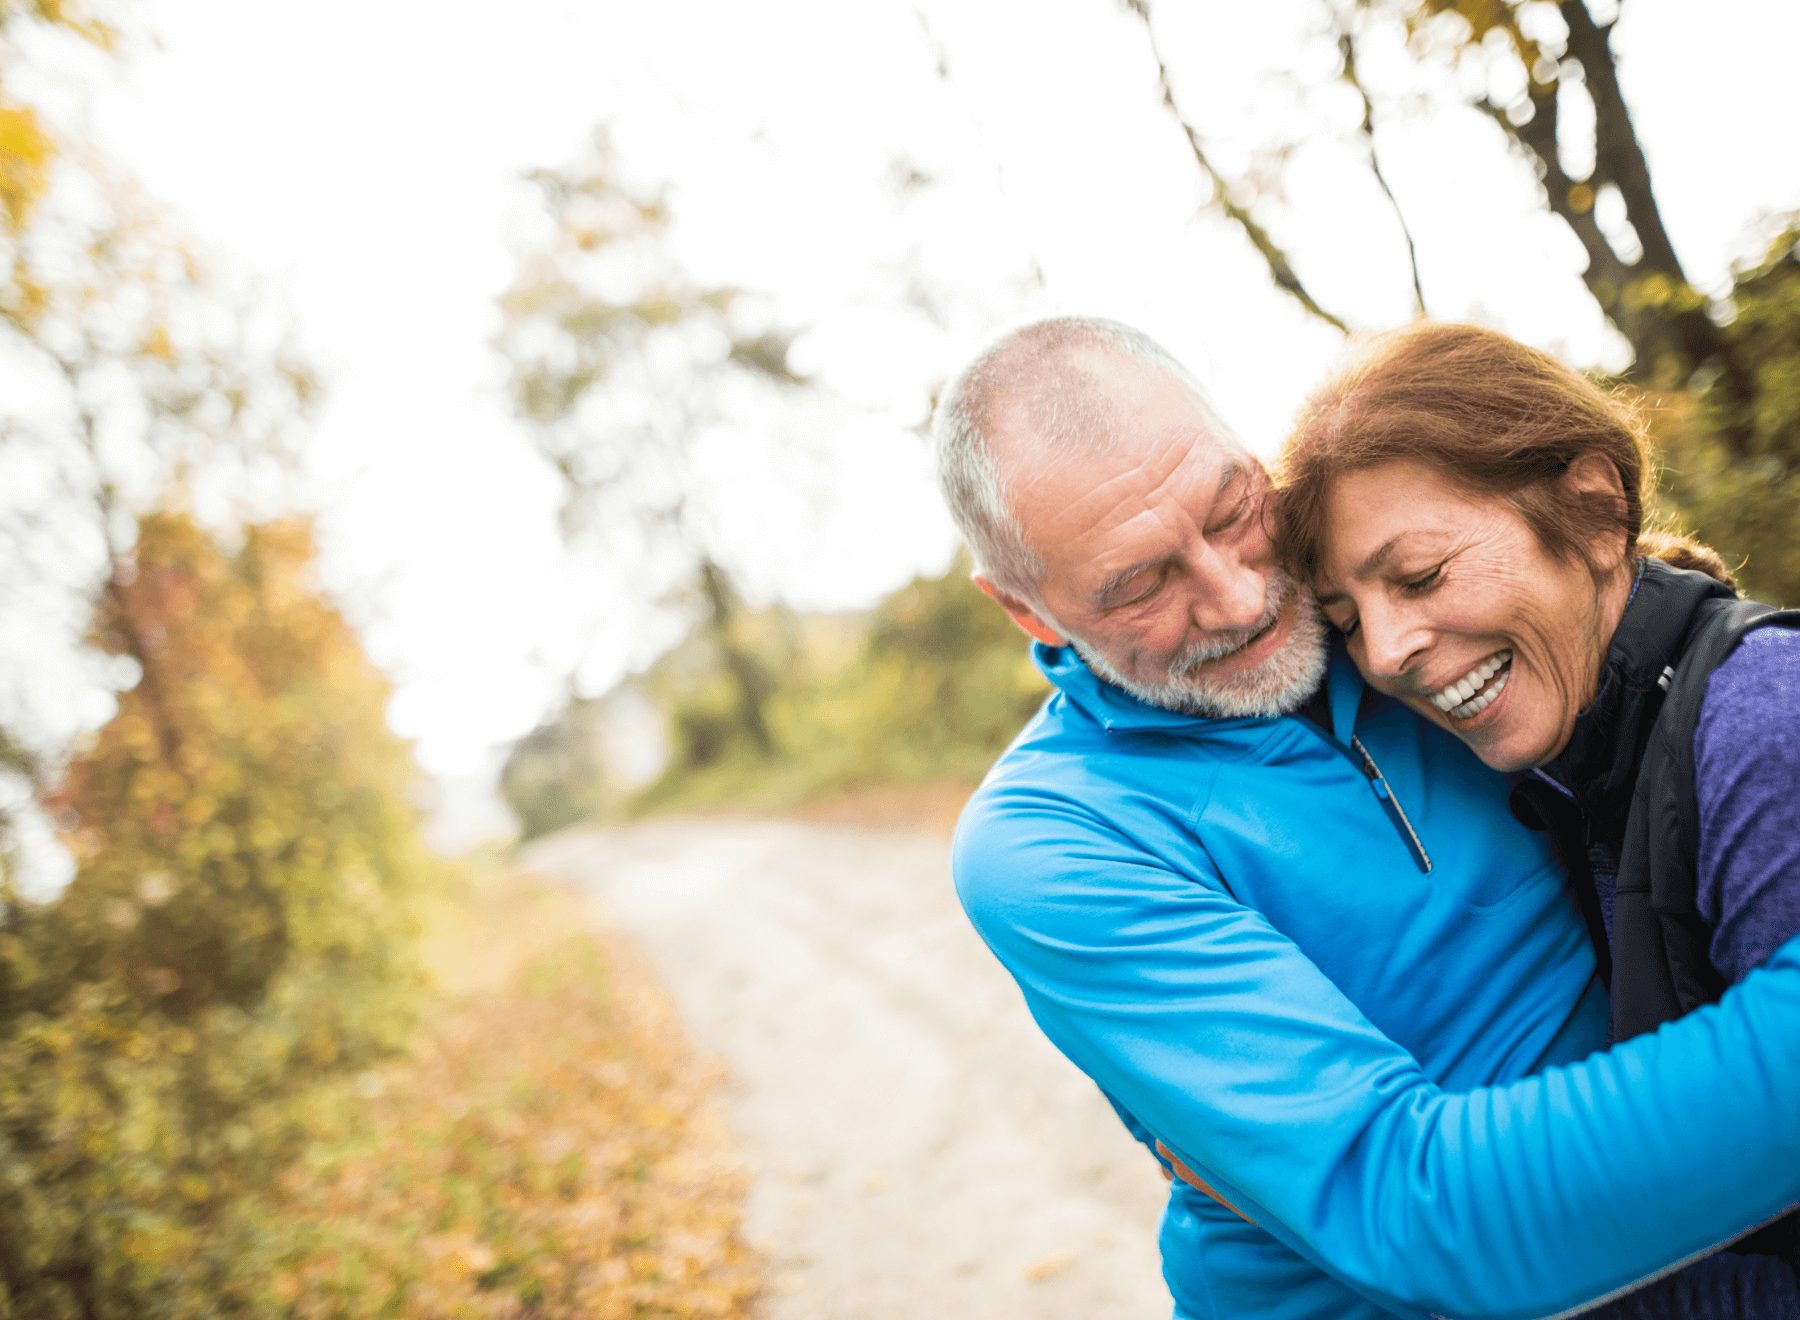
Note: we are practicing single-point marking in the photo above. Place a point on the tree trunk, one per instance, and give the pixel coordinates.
(751, 684)
(1673, 340)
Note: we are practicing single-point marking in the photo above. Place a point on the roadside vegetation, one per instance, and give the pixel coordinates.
(265, 1055)
(546, 1147)
(915, 698)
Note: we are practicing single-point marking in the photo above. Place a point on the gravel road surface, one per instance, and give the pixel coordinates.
(916, 1148)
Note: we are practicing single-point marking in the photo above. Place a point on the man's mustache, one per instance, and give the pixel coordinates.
(1221, 644)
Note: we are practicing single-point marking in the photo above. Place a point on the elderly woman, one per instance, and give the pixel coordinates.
(1470, 513)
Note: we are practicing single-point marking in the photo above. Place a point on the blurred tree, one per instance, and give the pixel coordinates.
(242, 921)
(28, 148)
(556, 775)
(251, 767)
(699, 699)
(946, 678)
(623, 364)
(928, 686)
(244, 857)
(27, 152)
(1526, 63)
(1546, 76)
(1548, 79)
(1745, 496)
(131, 370)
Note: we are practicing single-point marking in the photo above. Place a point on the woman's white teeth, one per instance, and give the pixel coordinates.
(1481, 703)
(1456, 698)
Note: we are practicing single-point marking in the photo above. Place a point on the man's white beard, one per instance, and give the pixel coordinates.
(1280, 684)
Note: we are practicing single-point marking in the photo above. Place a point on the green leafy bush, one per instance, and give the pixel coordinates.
(1747, 503)
(930, 685)
(242, 922)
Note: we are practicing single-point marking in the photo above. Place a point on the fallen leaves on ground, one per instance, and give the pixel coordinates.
(1049, 1267)
(549, 1148)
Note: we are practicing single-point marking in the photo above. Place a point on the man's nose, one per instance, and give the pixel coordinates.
(1234, 596)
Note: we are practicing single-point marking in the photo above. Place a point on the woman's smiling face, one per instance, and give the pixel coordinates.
(1451, 603)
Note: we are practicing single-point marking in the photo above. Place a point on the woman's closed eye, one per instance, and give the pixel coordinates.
(1417, 585)
(1423, 582)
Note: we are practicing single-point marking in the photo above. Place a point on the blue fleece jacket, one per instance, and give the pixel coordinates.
(1322, 966)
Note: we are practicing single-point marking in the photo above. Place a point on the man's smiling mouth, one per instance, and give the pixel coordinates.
(1214, 657)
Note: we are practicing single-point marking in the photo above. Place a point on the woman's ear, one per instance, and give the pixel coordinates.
(1593, 476)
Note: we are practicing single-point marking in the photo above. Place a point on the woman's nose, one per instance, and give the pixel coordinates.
(1391, 643)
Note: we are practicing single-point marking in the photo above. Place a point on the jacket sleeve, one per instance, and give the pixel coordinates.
(1530, 1199)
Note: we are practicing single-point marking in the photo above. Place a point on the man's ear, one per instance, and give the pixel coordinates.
(1596, 477)
(1022, 613)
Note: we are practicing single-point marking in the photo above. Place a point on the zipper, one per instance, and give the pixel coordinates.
(1556, 784)
(1358, 755)
(1396, 814)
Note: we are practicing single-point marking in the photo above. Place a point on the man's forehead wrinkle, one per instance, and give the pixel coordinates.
(1146, 529)
(1137, 476)
(1076, 430)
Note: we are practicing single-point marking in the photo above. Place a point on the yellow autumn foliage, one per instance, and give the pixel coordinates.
(241, 925)
(227, 1085)
(549, 1146)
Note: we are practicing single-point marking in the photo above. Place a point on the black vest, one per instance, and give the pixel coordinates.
(1630, 766)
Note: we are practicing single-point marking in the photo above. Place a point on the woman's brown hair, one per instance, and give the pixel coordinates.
(1496, 417)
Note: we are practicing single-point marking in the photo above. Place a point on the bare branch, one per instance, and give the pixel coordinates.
(1619, 157)
(1684, 332)
(1571, 199)
(1654, 333)
(119, 571)
(939, 54)
(1347, 47)
(1281, 270)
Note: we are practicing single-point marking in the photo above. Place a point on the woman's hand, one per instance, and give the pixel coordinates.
(1193, 1179)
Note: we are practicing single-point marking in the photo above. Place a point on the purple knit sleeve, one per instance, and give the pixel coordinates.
(1747, 780)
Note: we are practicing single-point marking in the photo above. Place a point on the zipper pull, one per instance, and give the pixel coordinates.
(1396, 814)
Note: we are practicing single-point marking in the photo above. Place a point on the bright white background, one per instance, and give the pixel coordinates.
(363, 161)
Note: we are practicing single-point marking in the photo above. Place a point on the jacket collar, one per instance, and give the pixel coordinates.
(1116, 710)
(1599, 766)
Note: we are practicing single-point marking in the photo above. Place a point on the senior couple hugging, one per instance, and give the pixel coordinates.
(1408, 846)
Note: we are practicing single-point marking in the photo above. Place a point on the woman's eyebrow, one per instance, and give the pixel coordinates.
(1378, 560)
(1370, 566)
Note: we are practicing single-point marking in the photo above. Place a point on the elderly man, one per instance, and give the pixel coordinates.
(1290, 930)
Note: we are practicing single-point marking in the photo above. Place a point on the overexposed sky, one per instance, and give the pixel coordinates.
(362, 160)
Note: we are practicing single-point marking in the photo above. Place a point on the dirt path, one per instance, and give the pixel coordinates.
(917, 1149)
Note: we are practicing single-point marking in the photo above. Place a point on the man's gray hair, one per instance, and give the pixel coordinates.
(1045, 375)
